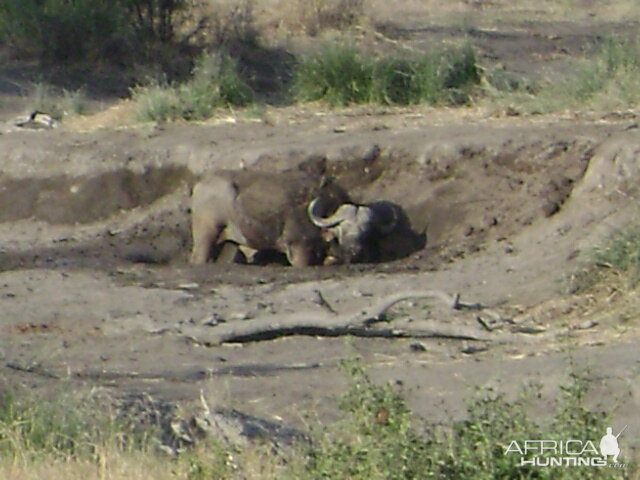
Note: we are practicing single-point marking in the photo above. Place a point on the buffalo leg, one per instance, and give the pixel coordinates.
(205, 234)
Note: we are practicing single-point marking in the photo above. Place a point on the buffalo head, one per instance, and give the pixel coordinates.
(356, 229)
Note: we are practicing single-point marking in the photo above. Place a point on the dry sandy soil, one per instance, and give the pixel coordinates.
(95, 289)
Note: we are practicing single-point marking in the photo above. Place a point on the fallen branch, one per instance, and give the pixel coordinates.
(35, 369)
(323, 324)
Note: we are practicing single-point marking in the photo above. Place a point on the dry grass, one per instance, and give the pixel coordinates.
(254, 463)
(275, 20)
(229, 21)
(316, 16)
(112, 466)
(483, 14)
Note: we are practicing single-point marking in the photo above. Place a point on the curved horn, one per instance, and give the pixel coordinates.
(320, 221)
(386, 227)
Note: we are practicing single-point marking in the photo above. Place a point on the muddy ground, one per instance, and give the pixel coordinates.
(96, 291)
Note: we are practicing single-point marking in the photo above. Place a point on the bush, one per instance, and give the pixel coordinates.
(58, 30)
(156, 102)
(86, 30)
(477, 446)
(340, 75)
(72, 435)
(376, 439)
(215, 83)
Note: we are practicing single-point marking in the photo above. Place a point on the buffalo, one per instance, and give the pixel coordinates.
(262, 211)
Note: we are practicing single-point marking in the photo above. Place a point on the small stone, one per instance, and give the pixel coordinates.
(586, 325)
(471, 349)
(212, 320)
(531, 330)
(417, 347)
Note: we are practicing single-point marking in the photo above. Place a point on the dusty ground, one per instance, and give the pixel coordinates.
(95, 289)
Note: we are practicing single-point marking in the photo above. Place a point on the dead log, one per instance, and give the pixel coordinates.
(361, 323)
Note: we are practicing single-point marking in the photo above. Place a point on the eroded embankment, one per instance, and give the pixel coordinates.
(63, 199)
(461, 192)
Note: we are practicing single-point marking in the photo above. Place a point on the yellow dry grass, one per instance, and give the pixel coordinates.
(112, 466)
(482, 13)
(254, 462)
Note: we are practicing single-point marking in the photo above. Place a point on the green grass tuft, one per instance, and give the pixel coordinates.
(46, 99)
(607, 80)
(621, 251)
(617, 256)
(339, 75)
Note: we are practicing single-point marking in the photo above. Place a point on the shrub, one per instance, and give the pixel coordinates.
(156, 102)
(85, 30)
(477, 446)
(78, 435)
(215, 83)
(376, 439)
(404, 82)
(57, 30)
(216, 80)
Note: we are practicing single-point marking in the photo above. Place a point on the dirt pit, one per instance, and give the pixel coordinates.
(460, 196)
(95, 288)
